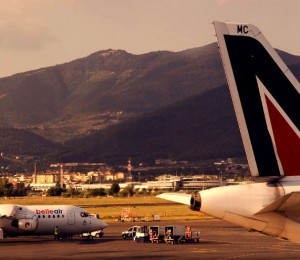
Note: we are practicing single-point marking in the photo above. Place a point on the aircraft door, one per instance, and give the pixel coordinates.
(71, 217)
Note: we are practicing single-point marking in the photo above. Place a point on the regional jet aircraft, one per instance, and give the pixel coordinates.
(266, 100)
(19, 220)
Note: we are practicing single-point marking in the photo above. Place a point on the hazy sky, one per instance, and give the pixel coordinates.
(40, 33)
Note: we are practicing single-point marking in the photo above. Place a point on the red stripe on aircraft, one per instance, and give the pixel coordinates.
(287, 142)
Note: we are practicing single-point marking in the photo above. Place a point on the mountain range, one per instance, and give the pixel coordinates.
(112, 105)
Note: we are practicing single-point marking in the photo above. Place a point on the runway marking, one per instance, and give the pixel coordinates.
(236, 257)
(204, 250)
(280, 247)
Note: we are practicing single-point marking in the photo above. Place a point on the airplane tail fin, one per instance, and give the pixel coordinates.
(266, 99)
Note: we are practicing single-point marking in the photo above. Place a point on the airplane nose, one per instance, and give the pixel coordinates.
(103, 225)
(97, 224)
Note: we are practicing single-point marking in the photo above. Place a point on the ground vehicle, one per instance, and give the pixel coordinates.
(130, 232)
(142, 234)
(91, 235)
(181, 234)
(191, 236)
(174, 234)
(156, 234)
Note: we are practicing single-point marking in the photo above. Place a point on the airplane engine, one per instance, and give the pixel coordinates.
(195, 202)
(25, 224)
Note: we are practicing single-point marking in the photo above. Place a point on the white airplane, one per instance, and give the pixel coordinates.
(20, 220)
(266, 100)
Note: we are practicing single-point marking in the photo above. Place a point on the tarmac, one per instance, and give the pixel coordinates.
(219, 240)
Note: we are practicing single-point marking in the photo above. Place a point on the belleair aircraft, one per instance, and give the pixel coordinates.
(266, 100)
(20, 220)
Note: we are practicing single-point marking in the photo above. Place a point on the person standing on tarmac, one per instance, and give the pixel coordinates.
(56, 233)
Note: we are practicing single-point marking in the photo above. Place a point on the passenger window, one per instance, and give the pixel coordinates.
(43, 216)
(49, 216)
(39, 216)
(57, 216)
(53, 216)
(62, 216)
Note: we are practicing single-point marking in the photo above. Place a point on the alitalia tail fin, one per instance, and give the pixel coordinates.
(266, 98)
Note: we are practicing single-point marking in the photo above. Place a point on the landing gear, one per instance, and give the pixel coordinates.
(89, 237)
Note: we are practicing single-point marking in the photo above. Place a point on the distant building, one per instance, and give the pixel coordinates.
(165, 162)
(196, 182)
(41, 186)
(46, 178)
(119, 176)
(108, 176)
(168, 177)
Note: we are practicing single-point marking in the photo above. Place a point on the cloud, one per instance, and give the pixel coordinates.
(237, 2)
(224, 2)
(21, 29)
(25, 37)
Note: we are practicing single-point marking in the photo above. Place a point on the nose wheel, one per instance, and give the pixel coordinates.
(89, 237)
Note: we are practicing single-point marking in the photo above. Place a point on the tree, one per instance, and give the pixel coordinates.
(55, 191)
(115, 188)
(95, 192)
(127, 192)
(6, 188)
(21, 190)
(71, 193)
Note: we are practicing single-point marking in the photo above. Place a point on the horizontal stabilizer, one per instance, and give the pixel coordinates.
(289, 204)
(176, 197)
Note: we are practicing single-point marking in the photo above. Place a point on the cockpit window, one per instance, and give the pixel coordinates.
(84, 214)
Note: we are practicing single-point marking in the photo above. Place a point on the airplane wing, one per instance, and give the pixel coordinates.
(176, 197)
(288, 203)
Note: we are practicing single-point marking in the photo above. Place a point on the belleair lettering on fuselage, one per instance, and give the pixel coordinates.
(48, 211)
